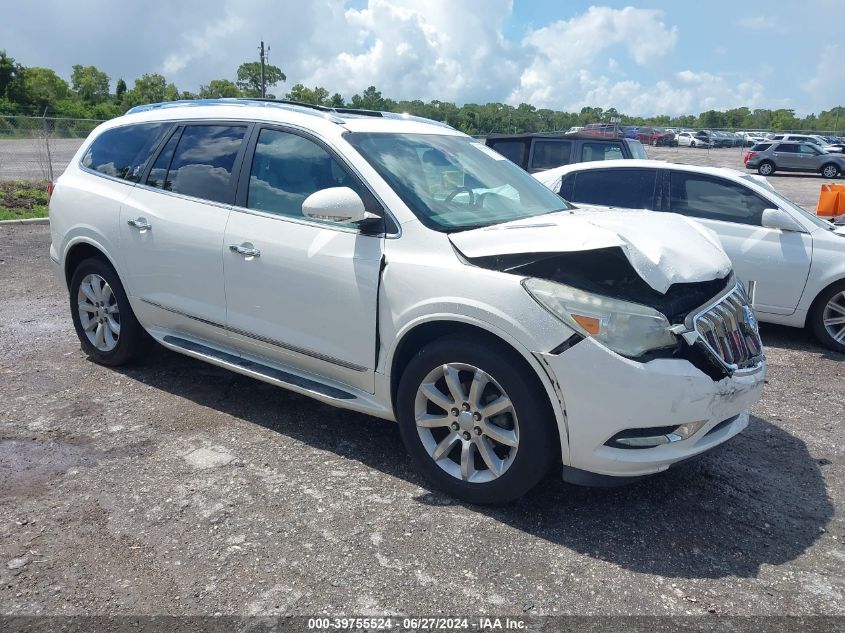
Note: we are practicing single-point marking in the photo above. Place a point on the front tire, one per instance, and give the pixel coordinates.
(827, 318)
(766, 168)
(475, 420)
(104, 322)
(830, 171)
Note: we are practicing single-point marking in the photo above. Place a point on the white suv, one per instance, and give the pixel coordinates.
(397, 267)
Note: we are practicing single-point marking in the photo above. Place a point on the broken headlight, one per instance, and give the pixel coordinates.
(629, 329)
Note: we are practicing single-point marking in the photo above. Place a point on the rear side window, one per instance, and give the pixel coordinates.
(761, 147)
(122, 151)
(601, 151)
(630, 188)
(787, 148)
(514, 151)
(158, 174)
(548, 154)
(203, 161)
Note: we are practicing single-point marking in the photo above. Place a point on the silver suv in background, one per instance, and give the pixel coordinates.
(769, 157)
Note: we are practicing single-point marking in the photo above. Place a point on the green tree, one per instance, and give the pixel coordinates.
(336, 101)
(91, 84)
(120, 89)
(171, 92)
(148, 88)
(370, 99)
(42, 87)
(11, 73)
(249, 78)
(317, 96)
(219, 89)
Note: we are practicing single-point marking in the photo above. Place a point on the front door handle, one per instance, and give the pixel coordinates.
(246, 249)
(140, 223)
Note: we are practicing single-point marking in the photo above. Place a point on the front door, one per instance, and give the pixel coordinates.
(779, 261)
(299, 291)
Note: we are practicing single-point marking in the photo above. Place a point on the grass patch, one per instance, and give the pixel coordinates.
(20, 200)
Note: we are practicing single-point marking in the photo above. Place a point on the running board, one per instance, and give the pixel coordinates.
(248, 367)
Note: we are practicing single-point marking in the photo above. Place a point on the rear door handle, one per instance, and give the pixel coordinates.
(246, 249)
(140, 223)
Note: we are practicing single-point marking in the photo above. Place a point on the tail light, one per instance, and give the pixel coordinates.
(51, 187)
(747, 156)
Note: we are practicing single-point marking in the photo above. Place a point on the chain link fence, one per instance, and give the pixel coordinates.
(39, 148)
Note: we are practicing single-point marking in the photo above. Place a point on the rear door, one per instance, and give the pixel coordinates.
(787, 157)
(779, 261)
(172, 227)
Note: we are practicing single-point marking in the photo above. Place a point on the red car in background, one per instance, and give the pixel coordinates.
(655, 136)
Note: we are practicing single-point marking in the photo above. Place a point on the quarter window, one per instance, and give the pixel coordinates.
(203, 161)
(601, 151)
(548, 154)
(630, 188)
(122, 151)
(286, 169)
(715, 199)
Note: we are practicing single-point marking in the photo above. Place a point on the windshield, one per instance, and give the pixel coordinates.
(453, 183)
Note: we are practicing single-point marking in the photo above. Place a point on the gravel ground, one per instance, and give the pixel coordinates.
(176, 487)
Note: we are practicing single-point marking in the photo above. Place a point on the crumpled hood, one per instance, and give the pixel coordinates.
(663, 248)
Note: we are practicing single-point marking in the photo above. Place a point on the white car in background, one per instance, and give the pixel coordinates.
(796, 258)
(689, 139)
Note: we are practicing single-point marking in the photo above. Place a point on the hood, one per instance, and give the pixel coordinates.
(663, 248)
(840, 229)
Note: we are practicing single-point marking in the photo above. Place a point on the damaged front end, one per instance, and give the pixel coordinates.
(623, 289)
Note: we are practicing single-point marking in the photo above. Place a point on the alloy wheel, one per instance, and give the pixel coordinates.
(99, 314)
(833, 317)
(829, 171)
(765, 169)
(466, 422)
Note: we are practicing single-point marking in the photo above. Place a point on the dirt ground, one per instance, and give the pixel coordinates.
(176, 487)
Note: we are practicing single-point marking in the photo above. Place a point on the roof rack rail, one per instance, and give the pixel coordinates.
(306, 108)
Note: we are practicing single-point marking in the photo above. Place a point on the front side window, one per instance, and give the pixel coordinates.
(715, 199)
(122, 151)
(286, 169)
(512, 150)
(203, 161)
(601, 151)
(548, 154)
(628, 188)
(453, 183)
(804, 148)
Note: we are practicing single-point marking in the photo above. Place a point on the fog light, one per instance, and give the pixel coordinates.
(650, 437)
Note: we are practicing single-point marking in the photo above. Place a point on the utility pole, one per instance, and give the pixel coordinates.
(263, 89)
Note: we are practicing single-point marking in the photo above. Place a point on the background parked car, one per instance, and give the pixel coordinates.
(536, 152)
(796, 258)
(693, 139)
(655, 136)
(769, 157)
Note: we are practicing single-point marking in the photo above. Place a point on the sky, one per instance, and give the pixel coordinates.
(643, 58)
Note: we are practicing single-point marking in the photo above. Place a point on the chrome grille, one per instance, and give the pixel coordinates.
(728, 330)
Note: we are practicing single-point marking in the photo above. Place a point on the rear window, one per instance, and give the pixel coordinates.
(122, 151)
(761, 147)
(601, 151)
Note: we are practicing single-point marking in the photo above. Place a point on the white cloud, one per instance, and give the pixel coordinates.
(825, 86)
(565, 51)
(758, 23)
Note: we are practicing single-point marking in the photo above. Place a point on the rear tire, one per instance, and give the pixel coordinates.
(766, 168)
(105, 324)
(827, 317)
(484, 453)
(830, 170)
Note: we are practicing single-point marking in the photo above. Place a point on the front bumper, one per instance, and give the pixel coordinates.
(604, 394)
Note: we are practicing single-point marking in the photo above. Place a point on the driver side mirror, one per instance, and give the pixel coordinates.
(779, 219)
(336, 204)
